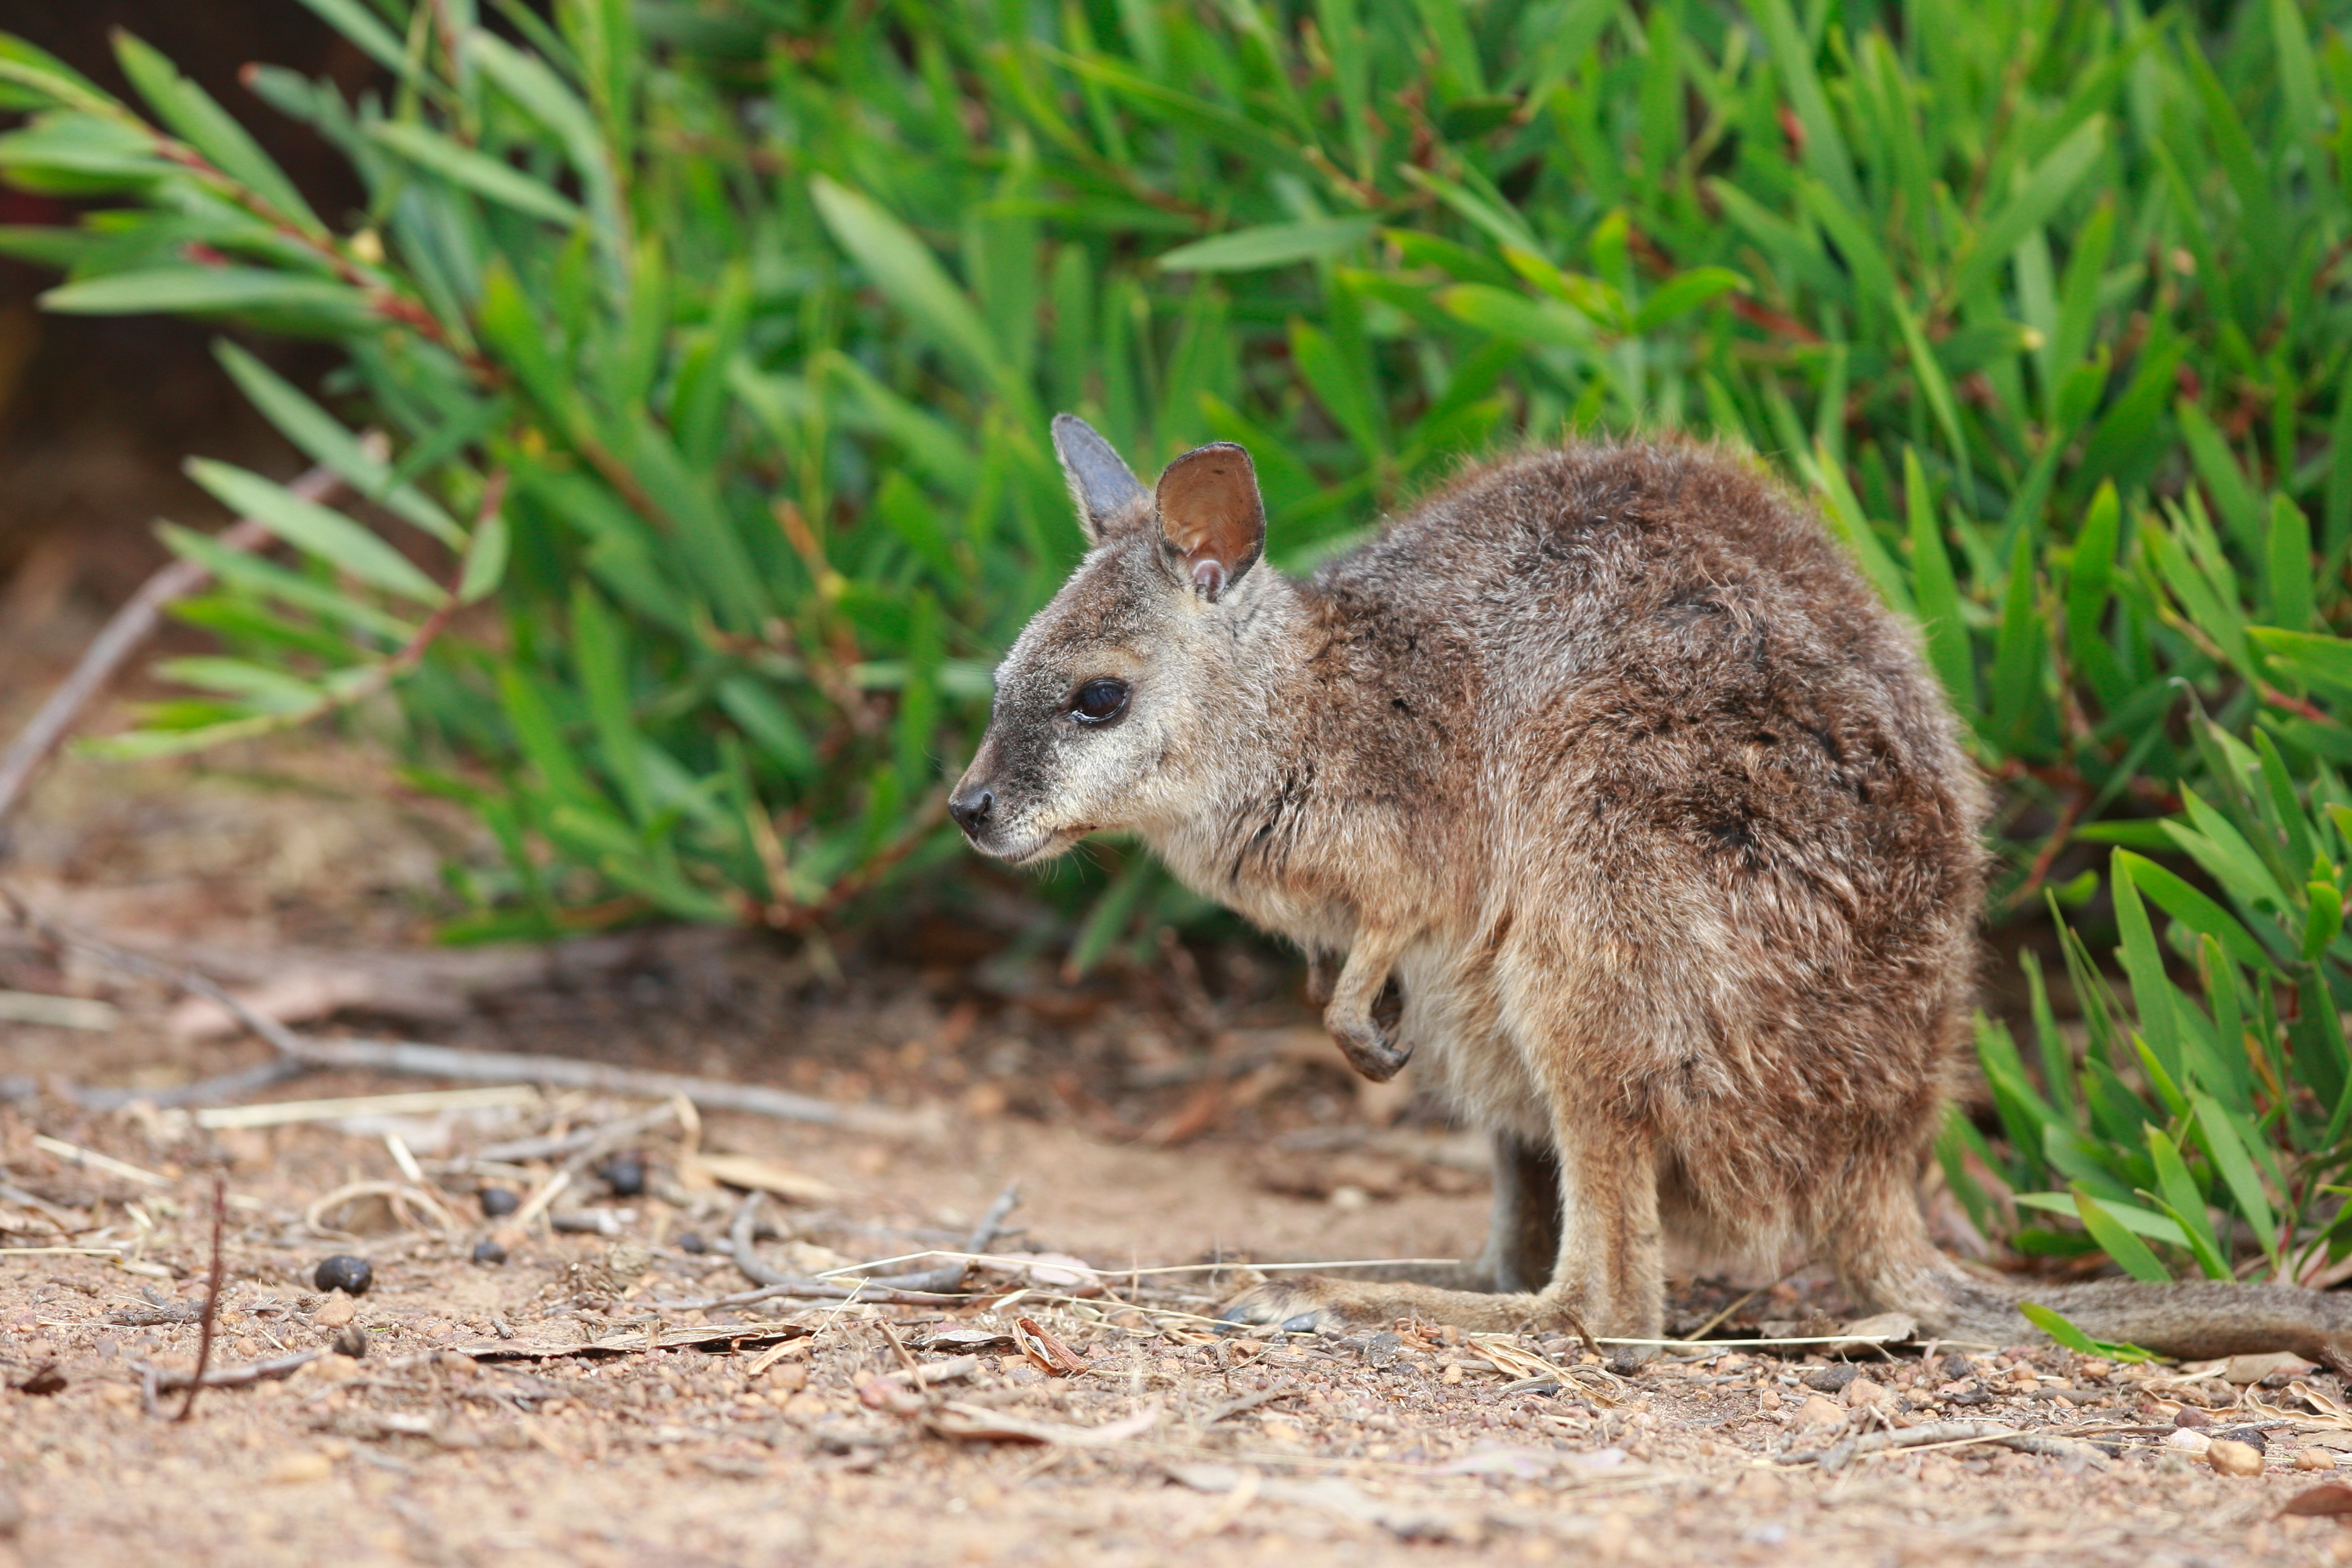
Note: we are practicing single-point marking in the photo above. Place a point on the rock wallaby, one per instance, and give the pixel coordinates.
(1653, 814)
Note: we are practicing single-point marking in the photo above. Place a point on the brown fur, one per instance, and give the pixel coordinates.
(1654, 812)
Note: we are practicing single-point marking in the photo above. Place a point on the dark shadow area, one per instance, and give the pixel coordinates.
(96, 412)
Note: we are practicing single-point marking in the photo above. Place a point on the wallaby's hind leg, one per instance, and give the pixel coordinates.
(1523, 1237)
(1879, 1245)
(1607, 1274)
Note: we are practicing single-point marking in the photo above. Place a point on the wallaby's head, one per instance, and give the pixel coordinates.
(1109, 699)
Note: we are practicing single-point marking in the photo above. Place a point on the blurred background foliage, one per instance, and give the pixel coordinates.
(696, 362)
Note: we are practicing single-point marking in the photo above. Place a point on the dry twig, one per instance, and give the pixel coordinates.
(236, 1376)
(494, 1067)
(1836, 1456)
(204, 1325)
(983, 1234)
(747, 1256)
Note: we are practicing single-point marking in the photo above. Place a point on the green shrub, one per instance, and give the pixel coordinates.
(712, 348)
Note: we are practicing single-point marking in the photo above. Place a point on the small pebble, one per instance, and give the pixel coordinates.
(1818, 1412)
(2314, 1459)
(346, 1273)
(1861, 1391)
(625, 1175)
(295, 1469)
(490, 1252)
(1957, 1367)
(1831, 1379)
(499, 1202)
(2229, 1458)
(2189, 1416)
(2189, 1442)
(353, 1342)
(690, 1241)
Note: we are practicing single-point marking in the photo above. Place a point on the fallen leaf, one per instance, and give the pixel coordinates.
(753, 1173)
(972, 1423)
(1867, 1333)
(2330, 1498)
(1058, 1271)
(1048, 1353)
(541, 1350)
(2246, 1369)
(1501, 1460)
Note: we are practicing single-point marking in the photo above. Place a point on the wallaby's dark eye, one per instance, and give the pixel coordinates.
(1100, 701)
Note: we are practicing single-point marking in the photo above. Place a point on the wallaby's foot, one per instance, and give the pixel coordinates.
(1367, 1047)
(1310, 1303)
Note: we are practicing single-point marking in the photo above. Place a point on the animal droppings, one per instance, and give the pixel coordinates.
(343, 1272)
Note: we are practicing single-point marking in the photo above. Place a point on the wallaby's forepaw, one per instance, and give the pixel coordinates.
(1367, 1047)
(1320, 980)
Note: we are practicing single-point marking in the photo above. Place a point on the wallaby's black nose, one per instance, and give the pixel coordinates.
(971, 808)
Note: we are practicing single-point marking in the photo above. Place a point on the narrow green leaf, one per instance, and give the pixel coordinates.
(2186, 1204)
(1270, 245)
(2062, 1331)
(486, 560)
(2143, 962)
(192, 112)
(329, 535)
(903, 267)
(2325, 919)
(1506, 314)
(210, 288)
(1685, 292)
(2287, 566)
(2117, 1241)
(2193, 909)
(1339, 386)
(354, 21)
(2218, 1132)
(326, 440)
(476, 171)
(2225, 481)
(1939, 595)
(2040, 192)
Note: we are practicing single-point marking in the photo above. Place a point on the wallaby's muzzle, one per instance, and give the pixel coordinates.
(978, 806)
(971, 805)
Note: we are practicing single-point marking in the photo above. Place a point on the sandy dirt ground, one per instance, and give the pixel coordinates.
(573, 1385)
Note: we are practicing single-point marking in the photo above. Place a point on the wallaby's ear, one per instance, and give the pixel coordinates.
(1212, 516)
(1099, 479)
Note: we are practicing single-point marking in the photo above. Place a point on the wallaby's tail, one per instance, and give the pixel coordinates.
(1892, 1264)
